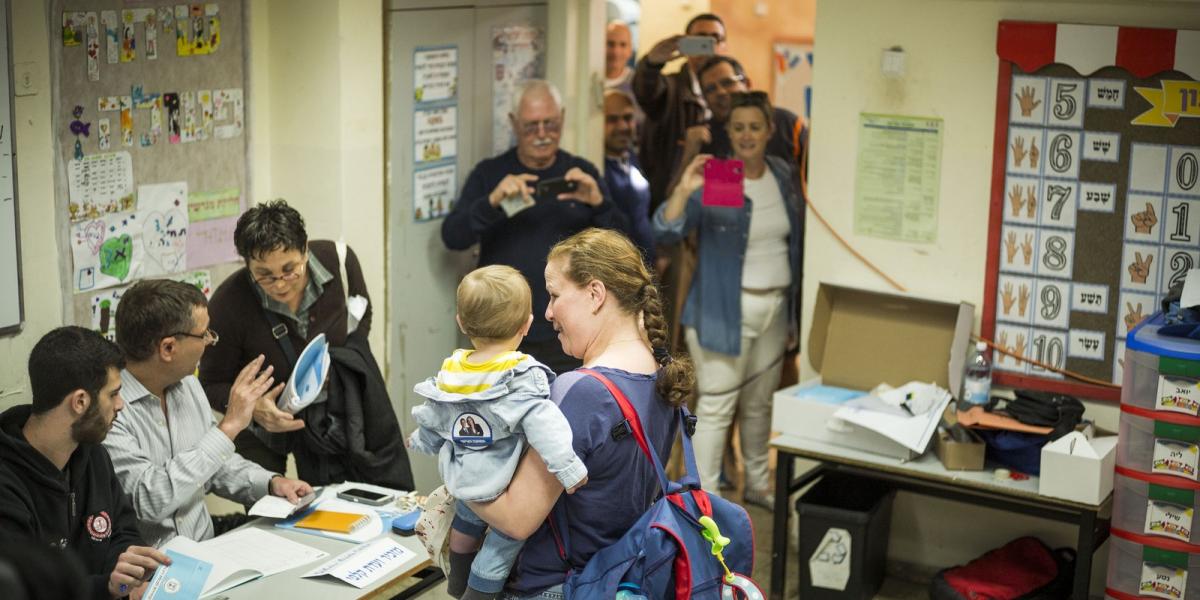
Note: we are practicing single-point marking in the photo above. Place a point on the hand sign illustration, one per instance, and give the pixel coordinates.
(1024, 300)
(1018, 149)
(1027, 248)
(1016, 200)
(1133, 317)
(1139, 269)
(1144, 222)
(1019, 349)
(1027, 101)
(1033, 153)
(1031, 202)
(1002, 343)
(1008, 298)
(1010, 246)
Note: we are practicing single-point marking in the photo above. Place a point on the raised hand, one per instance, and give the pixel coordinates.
(1027, 102)
(1016, 201)
(1024, 300)
(248, 387)
(1010, 246)
(1008, 298)
(1002, 342)
(1139, 269)
(1033, 153)
(1018, 149)
(1019, 349)
(1133, 317)
(1027, 248)
(1031, 203)
(1144, 222)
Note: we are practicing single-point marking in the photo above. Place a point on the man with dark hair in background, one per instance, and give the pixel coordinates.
(168, 449)
(629, 188)
(57, 485)
(671, 103)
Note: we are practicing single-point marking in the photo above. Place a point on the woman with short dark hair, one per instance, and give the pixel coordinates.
(290, 291)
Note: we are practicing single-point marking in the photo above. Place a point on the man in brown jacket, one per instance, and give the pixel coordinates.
(672, 103)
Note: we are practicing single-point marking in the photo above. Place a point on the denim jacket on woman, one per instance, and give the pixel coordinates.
(714, 306)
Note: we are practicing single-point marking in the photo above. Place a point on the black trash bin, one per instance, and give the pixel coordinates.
(844, 525)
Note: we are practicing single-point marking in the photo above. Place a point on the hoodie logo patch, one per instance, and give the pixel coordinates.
(472, 430)
(99, 526)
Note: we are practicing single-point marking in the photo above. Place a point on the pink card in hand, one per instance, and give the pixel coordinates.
(723, 183)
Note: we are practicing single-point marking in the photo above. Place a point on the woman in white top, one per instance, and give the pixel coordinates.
(741, 307)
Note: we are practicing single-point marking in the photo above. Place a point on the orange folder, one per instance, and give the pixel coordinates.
(328, 520)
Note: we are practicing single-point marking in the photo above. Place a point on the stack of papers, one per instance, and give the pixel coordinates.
(308, 377)
(908, 415)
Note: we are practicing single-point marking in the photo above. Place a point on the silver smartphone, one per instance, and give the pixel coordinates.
(697, 45)
(368, 497)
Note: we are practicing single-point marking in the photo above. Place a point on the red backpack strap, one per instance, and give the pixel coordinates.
(627, 410)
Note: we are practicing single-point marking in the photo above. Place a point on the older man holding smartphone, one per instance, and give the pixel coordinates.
(500, 207)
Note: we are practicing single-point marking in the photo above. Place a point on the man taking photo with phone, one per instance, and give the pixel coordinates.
(674, 102)
(500, 207)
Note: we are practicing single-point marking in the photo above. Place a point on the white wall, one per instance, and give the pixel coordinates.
(952, 64)
(35, 197)
(663, 19)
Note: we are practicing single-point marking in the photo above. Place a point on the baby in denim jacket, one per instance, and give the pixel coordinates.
(480, 410)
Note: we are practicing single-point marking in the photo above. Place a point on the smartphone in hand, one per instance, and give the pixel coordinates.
(723, 183)
(549, 189)
(697, 45)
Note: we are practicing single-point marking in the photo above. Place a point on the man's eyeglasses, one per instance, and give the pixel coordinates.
(269, 280)
(726, 83)
(549, 125)
(209, 337)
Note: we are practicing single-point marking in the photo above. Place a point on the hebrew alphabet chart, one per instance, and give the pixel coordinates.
(1095, 195)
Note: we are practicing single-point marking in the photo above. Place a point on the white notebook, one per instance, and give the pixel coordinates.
(244, 555)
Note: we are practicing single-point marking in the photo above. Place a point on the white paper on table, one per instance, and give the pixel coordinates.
(365, 564)
(274, 507)
(913, 432)
(244, 555)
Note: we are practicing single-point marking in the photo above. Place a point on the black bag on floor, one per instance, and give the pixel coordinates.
(1023, 569)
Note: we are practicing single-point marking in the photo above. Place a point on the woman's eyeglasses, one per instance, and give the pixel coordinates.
(209, 337)
(269, 280)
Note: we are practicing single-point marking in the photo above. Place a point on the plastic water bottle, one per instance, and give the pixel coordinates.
(977, 379)
(630, 591)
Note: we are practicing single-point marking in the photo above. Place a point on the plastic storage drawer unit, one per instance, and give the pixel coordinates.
(844, 524)
(1155, 505)
(1161, 373)
(1141, 567)
(1155, 442)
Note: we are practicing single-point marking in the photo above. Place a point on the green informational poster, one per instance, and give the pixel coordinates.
(897, 177)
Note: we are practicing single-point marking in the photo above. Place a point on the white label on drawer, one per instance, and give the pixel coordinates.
(1162, 581)
(1170, 520)
(1177, 394)
(1175, 458)
(829, 565)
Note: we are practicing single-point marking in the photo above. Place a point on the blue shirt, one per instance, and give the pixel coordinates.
(714, 302)
(622, 484)
(631, 193)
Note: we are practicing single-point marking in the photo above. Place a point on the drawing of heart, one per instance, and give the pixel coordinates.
(116, 256)
(165, 239)
(93, 235)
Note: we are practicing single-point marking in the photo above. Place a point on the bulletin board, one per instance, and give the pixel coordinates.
(1095, 198)
(149, 102)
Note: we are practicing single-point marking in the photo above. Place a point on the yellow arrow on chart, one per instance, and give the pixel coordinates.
(1174, 99)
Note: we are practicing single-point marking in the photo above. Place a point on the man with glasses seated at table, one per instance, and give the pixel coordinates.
(167, 448)
(499, 207)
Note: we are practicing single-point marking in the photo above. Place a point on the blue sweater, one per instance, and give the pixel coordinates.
(523, 241)
(631, 193)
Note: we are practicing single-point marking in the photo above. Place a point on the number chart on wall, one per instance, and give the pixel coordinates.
(1095, 204)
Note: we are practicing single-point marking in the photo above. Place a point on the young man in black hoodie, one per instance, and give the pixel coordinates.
(57, 485)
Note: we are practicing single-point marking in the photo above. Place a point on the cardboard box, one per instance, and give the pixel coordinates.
(859, 339)
(961, 456)
(1078, 469)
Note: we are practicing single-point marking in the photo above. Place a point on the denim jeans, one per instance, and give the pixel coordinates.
(495, 559)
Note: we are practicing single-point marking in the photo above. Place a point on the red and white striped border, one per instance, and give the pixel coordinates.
(1087, 48)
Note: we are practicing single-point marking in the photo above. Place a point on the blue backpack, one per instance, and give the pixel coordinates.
(687, 545)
